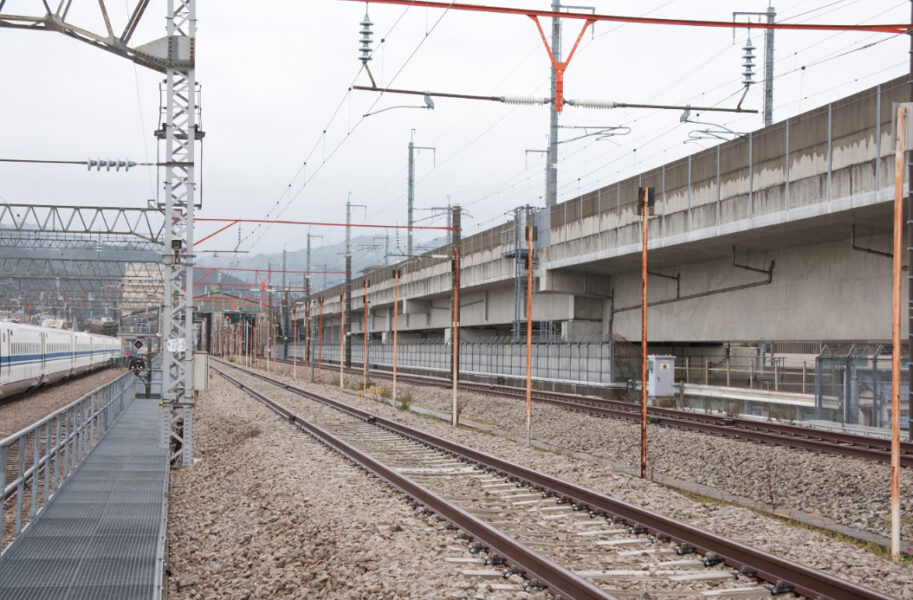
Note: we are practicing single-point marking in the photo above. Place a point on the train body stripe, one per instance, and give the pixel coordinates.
(25, 359)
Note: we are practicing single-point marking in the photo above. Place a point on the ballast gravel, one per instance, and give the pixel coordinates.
(270, 513)
(847, 490)
(24, 409)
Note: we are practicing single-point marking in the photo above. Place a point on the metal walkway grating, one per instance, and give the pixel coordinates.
(100, 535)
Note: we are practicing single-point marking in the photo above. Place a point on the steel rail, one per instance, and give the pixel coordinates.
(803, 438)
(780, 572)
(536, 567)
(792, 436)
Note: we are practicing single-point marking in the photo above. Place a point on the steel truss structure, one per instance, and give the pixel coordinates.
(174, 56)
(69, 242)
(83, 278)
(180, 183)
(143, 223)
(92, 269)
(84, 283)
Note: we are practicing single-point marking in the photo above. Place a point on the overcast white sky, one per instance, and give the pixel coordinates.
(275, 76)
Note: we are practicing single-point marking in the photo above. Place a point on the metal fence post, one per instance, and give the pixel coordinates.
(579, 372)
(66, 443)
(94, 403)
(3, 483)
(588, 361)
(20, 484)
(818, 398)
(47, 460)
(85, 428)
(36, 459)
(56, 451)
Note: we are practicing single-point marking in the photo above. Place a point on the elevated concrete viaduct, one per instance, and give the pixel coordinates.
(782, 234)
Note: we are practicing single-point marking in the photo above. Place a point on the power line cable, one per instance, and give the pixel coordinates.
(359, 122)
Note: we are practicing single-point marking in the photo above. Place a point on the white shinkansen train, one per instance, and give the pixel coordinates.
(31, 356)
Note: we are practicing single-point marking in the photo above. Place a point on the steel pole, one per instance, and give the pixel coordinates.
(284, 311)
(456, 332)
(769, 69)
(347, 309)
(895, 332)
(307, 339)
(643, 333)
(395, 325)
(342, 335)
(364, 351)
(320, 342)
(410, 195)
(909, 259)
(295, 343)
(551, 157)
(529, 329)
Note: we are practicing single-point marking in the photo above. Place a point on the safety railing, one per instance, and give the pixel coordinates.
(771, 373)
(35, 461)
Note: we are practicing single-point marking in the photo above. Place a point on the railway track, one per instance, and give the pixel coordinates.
(576, 542)
(763, 432)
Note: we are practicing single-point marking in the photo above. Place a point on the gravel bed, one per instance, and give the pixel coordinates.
(548, 532)
(841, 488)
(270, 513)
(28, 408)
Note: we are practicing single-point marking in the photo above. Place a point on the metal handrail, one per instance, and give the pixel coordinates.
(65, 436)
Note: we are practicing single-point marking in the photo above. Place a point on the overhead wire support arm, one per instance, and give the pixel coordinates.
(560, 66)
(232, 222)
(591, 18)
(156, 55)
(610, 105)
(602, 104)
(876, 28)
(434, 94)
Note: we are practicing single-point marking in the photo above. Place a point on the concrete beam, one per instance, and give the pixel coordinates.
(574, 282)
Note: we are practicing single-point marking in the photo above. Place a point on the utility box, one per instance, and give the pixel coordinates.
(660, 376)
(200, 371)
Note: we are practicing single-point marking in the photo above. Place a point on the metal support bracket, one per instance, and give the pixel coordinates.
(769, 271)
(677, 278)
(733, 288)
(864, 249)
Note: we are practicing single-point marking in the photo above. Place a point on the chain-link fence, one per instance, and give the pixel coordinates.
(854, 386)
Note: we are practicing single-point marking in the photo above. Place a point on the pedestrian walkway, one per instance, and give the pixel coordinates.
(102, 536)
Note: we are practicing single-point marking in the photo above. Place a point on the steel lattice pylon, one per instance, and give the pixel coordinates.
(177, 326)
(174, 56)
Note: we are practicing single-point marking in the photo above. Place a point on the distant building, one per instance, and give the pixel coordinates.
(143, 286)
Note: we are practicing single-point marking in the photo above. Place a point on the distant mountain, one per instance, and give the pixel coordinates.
(366, 252)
